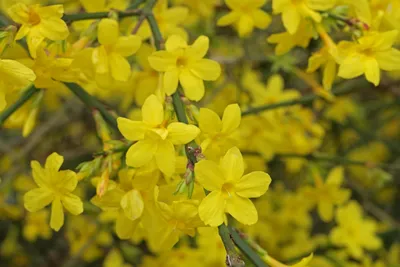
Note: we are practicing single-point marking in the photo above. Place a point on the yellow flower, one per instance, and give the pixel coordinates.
(109, 58)
(39, 23)
(371, 53)
(155, 139)
(323, 58)
(218, 135)
(327, 195)
(286, 41)
(13, 76)
(230, 190)
(354, 232)
(295, 11)
(245, 15)
(185, 64)
(54, 187)
(36, 225)
(115, 259)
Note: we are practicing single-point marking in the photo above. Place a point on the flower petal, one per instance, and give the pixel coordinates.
(72, 203)
(325, 211)
(291, 19)
(180, 133)
(211, 209)
(54, 29)
(192, 85)
(124, 227)
(170, 81)
(165, 157)
(54, 161)
(120, 67)
(261, 19)
(131, 130)
(389, 60)
(199, 48)
(372, 71)
(162, 60)
(153, 111)
(128, 45)
(206, 69)
(132, 204)
(108, 32)
(229, 18)
(209, 122)
(335, 176)
(254, 184)
(232, 164)
(209, 175)
(57, 215)
(231, 118)
(141, 153)
(37, 199)
(242, 209)
(175, 42)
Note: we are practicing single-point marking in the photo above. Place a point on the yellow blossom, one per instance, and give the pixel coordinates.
(353, 231)
(39, 23)
(109, 58)
(295, 11)
(371, 53)
(185, 64)
(36, 225)
(229, 189)
(55, 187)
(323, 58)
(155, 137)
(219, 135)
(245, 15)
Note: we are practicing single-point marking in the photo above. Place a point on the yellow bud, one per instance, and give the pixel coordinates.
(30, 123)
(102, 186)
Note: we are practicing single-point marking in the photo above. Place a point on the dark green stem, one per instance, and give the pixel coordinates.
(232, 257)
(246, 249)
(93, 103)
(99, 15)
(31, 91)
(136, 4)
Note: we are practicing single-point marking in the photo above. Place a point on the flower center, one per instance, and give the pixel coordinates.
(228, 189)
(34, 17)
(182, 62)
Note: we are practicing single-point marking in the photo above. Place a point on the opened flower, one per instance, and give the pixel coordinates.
(55, 187)
(184, 64)
(229, 189)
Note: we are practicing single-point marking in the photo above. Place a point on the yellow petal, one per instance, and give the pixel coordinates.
(170, 81)
(351, 67)
(209, 175)
(254, 184)
(199, 48)
(100, 59)
(389, 60)
(162, 60)
(335, 176)
(124, 227)
(291, 19)
(261, 19)
(228, 19)
(72, 203)
(325, 211)
(57, 215)
(16, 74)
(3, 102)
(51, 11)
(165, 157)
(209, 122)
(242, 209)
(372, 71)
(231, 118)
(132, 204)
(120, 67)
(245, 25)
(152, 111)
(141, 153)
(108, 32)
(22, 32)
(54, 161)
(180, 133)
(39, 174)
(19, 13)
(37, 199)
(304, 261)
(175, 42)
(34, 39)
(206, 69)
(67, 180)
(232, 164)
(329, 74)
(128, 45)
(211, 209)
(192, 85)
(131, 130)
(54, 29)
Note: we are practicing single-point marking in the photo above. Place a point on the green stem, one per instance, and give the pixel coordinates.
(31, 91)
(232, 258)
(136, 4)
(99, 15)
(246, 249)
(307, 99)
(93, 103)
